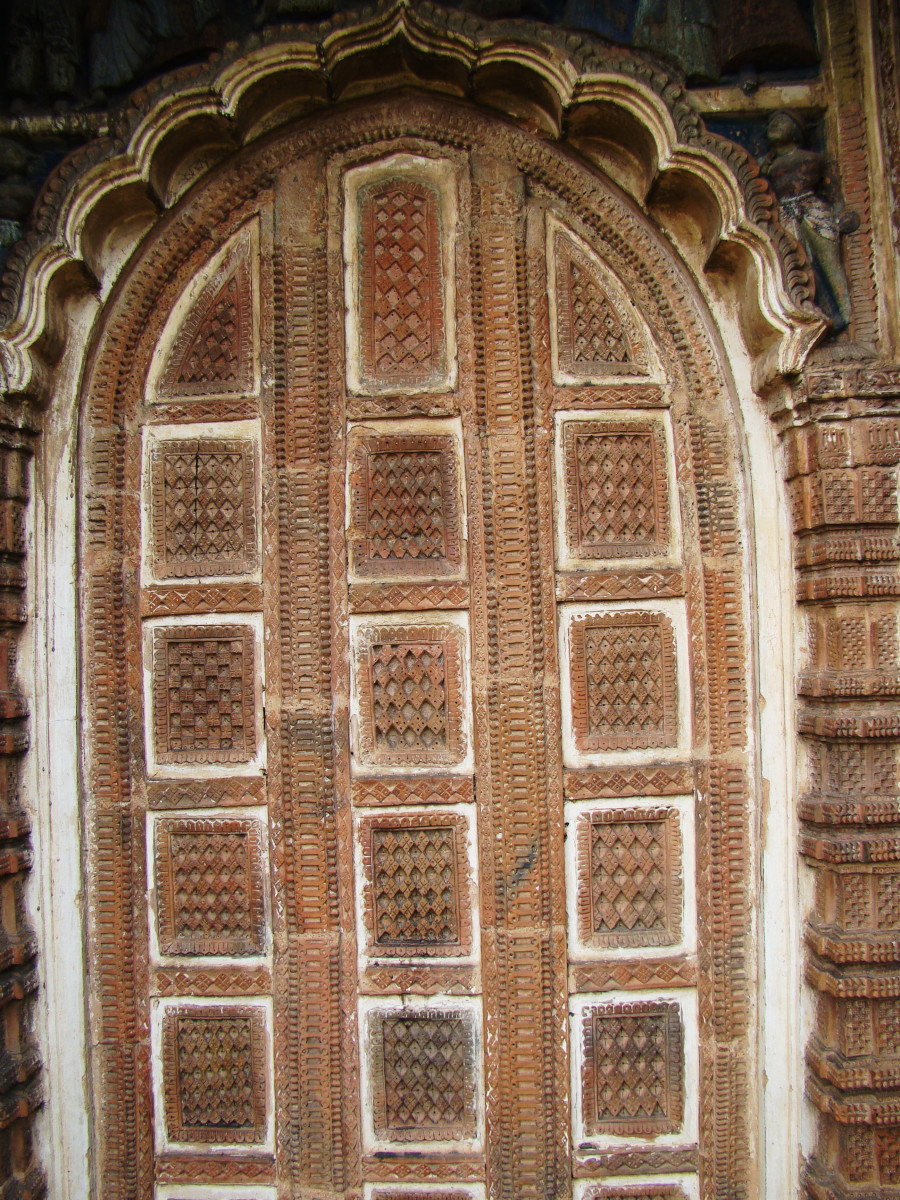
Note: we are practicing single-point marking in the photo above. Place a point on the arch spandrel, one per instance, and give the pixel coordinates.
(505, 648)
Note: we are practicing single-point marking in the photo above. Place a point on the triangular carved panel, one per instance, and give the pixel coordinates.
(596, 329)
(212, 347)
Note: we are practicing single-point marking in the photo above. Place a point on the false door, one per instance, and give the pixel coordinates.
(416, 689)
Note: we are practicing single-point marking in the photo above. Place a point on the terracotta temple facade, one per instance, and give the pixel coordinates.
(449, 563)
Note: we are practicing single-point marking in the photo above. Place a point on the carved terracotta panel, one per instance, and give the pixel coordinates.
(633, 1068)
(416, 884)
(405, 506)
(629, 877)
(411, 694)
(623, 679)
(204, 694)
(203, 502)
(213, 350)
(617, 492)
(209, 880)
(214, 1064)
(423, 1066)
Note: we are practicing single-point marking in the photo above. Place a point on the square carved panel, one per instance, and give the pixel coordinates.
(410, 692)
(616, 489)
(404, 506)
(214, 1063)
(423, 1065)
(209, 882)
(633, 1068)
(623, 681)
(629, 877)
(203, 507)
(416, 885)
(204, 694)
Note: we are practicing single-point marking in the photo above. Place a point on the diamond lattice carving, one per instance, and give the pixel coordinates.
(617, 493)
(623, 681)
(214, 1073)
(423, 1075)
(630, 877)
(404, 505)
(204, 694)
(210, 887)
(409, 682)
(416, 884)
(401, 318)
(632, 1077)
(596, 332)
(213, 351)
(203, 504)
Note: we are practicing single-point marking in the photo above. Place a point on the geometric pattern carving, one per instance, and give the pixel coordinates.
(203, 507)
(623, 681)
(209, 886)
(214, 350)
(616, 490)
(214, 1074)
(636, 1191)
(595, 333)
(632, 1075)
(423, 1075)
(401, 277)
(409, 681)
(416, 884)
(630, 877)
(204, 694)
(404, 506)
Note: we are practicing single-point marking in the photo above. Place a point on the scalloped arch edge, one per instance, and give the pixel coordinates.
(542, 77)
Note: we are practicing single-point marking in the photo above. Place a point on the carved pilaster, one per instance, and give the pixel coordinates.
(841, 463)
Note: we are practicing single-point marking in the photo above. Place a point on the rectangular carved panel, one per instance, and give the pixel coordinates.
(203, 507)
(204, 694)
(214, 1074)
(404, 506)
(629, 877)
(209, 882)
(623, 677)
(401, 286)
(632, 1071)
(409, 681)
(423, 1075)
(617, 496)
(415, 885)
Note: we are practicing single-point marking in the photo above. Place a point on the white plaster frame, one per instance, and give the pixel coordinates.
(688, 1182)
(259, 818)
(567, 559)
(618, 293)
(248, 234)
(578, 811)
(469, 895)
(158, 1009)
(213, 430)
(443, 426)
(254, 766)
(681, 749)
(440, 174)
(393, 1006)
(466, 764)
(688, 1134)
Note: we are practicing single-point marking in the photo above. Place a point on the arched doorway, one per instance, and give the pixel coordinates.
(420, 762)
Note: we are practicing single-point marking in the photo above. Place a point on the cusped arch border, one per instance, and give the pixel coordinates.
(607, 103)
(183, 240)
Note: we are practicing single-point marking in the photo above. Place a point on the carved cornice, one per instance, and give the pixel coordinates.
(567, 87)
